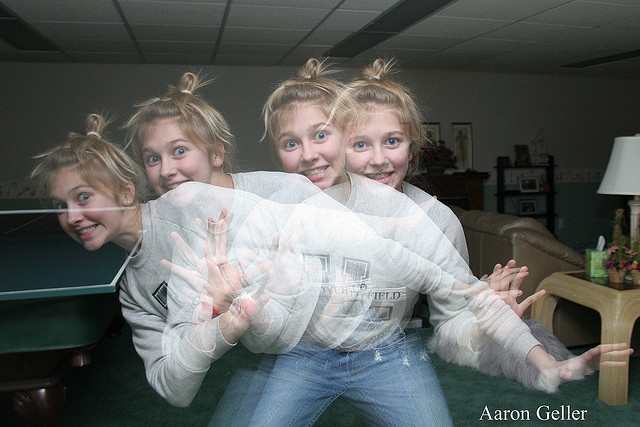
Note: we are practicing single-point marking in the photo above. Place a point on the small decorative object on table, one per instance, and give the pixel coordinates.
(595, 259)
(436, 158)
(635, 273)
(621, 260)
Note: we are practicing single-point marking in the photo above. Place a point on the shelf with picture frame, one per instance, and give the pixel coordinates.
(530, 196)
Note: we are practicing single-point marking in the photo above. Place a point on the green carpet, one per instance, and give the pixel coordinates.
(113, 391)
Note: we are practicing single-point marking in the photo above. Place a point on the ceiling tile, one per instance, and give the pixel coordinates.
(629, 24)
(531, 31)
(347, 20)
(33, 56)
(507, 10)
(175, 33)
(585, 14)
(326, 37)
(252, 49)
(420, 42)
(173, 13)
(177, 58)
(454, 27)
(309, 51)
(105, 57)
(264, 35)
(58, 30)
(6, 47)
(490, 46)
(368, 5)
(176, 47)
(399, 55)
(606, 38)
(85, 45)
(64, 10)
(275, 17)
(246, 60)
(312, 4)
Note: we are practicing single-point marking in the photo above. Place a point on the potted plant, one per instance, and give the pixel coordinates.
(621, 260)
(436, 157)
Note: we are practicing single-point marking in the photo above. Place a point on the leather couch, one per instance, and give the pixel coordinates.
(496, 238)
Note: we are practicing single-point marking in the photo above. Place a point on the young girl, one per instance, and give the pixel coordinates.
(308, 136)
(384, 145)
(324, 332)
(99, 192)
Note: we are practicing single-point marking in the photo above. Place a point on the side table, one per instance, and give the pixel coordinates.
(618, 307)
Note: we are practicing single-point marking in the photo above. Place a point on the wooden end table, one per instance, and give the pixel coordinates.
(619, 308)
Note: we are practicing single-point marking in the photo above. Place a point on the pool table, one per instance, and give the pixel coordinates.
(56, 301)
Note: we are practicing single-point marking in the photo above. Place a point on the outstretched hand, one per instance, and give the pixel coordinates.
(506, 282)
(219, 280)
(578, 367)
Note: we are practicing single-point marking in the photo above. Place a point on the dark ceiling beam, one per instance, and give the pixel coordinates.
(395, 20)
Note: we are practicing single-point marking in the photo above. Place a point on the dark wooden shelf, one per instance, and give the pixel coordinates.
(464, 189)
(548, 197)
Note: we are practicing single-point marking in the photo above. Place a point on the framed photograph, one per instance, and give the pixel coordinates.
(522, 155)
(529, 184)
(462, 140)
(527, 206)
(432, 130)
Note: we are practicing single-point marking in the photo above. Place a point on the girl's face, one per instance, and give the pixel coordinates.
(170, 159)
(93, 217)
(379, 149)
(308, 145)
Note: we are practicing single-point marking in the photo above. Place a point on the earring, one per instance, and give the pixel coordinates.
(217, 162)
(127, 202)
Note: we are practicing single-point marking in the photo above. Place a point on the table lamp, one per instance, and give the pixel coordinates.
(623, 177)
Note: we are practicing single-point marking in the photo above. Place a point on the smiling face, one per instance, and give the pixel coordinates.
(379, 148)
(308, 145)
(93, 217)
(170, 159)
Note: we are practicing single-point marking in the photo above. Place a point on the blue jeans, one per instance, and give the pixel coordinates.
(391, 384)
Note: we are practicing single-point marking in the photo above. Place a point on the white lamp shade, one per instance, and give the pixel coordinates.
(623, 171)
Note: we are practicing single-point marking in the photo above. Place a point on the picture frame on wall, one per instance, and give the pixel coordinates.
(529, 184)
(527, 207)
(432, 130)
(522, 155)
(462, 141)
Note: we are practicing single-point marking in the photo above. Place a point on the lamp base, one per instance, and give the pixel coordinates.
(634, 210)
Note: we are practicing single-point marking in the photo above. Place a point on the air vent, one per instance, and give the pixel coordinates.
(20, 35)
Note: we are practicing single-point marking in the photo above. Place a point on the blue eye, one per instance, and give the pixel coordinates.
(290, 145)
(360, 145)
(393, 142)
(180, 151)
(84, 197)
(321, 136)
(152, 160)
(60, 205)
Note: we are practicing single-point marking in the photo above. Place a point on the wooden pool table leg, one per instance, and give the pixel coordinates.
(40, 407)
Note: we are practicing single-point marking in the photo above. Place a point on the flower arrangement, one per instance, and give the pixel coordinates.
(621, 258)
(437, 153)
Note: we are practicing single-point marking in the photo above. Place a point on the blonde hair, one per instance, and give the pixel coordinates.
(102, 164)
(374, 86)
(199, 121)
(311, 84)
